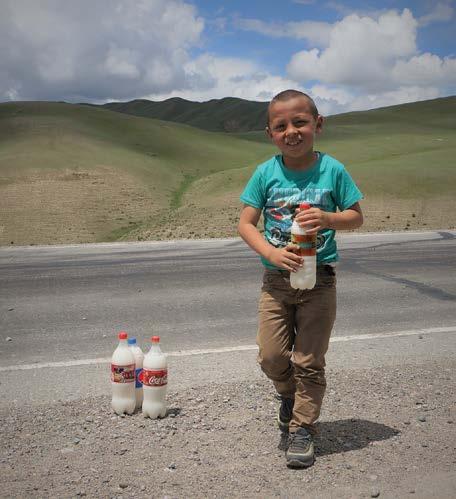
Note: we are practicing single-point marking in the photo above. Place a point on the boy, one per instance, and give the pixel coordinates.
(295, 325)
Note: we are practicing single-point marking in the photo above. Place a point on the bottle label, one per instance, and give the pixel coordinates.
(307, 243)
(154, 377)
(123, 374)
(138, 383)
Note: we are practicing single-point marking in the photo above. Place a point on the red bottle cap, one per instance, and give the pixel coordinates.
(304, 206)
(123, 335)
(155, 339)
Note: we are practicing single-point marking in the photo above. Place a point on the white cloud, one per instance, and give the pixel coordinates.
(314, 32)
(426, 69)
(222, 76)
(393, 97)
(442, 12)
(93, 51)
(361, 52)
(122, 62)
(56, 52)
(372, 62)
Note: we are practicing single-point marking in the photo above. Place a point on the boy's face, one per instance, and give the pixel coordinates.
(292, 127)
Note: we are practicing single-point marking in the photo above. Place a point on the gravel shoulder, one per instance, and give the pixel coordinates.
(387, 430)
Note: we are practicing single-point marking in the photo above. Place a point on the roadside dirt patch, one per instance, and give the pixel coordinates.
(382, 214)
(104, 204)
(378, 428)
(71, 206)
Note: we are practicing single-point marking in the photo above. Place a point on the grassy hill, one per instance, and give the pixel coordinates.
(217, 115)
(78, 173)
(75, 173)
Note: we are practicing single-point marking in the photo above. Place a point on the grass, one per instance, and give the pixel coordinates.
(73, 173)
(218, 115)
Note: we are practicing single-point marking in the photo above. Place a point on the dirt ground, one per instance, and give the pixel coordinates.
(71, 206)
(221, 440)
(103, 205)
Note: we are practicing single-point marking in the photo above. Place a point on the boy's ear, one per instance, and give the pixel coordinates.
(268, 131)
(319, 125)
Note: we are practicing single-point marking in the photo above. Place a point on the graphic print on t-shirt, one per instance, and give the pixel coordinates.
(281, 207)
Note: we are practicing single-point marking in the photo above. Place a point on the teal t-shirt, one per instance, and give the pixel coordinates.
(278, 191)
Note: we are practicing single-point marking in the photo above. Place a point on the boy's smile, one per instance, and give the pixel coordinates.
(292, 128)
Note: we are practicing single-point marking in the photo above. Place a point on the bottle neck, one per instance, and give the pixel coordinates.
(123, 343)
(155, 348)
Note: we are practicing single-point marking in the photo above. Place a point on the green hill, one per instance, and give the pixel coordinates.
(77, 173)
(217, 115)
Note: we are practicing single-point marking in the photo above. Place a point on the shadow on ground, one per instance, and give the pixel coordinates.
(344, 435)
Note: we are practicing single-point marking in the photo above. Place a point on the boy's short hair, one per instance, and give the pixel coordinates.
(291, 94)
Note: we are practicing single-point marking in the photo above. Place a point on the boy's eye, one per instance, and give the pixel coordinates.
(300, 123)
(279, 127)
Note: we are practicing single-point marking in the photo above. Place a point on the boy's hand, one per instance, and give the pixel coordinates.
(313, 219)
(286, 258)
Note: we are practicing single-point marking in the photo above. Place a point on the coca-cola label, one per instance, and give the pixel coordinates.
(123, 374)
(154, 377)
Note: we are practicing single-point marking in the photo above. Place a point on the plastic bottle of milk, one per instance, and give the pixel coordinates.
(139, 357)
(305, 277)
(154, 378)
(123, 377)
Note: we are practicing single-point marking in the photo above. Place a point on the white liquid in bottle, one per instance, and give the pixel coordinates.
(139, 358)
(154, 378)
(123, 378)
(306, 276)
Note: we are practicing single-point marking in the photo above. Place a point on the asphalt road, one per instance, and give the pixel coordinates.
(62, 306)
(59, 303)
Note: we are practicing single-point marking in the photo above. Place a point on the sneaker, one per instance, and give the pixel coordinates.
(300, 452)
(285, 414)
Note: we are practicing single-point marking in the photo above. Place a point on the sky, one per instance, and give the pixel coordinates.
(347, 55)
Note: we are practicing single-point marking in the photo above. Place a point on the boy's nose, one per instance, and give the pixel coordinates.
(291, 129)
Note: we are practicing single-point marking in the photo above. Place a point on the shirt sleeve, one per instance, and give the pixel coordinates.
(347, 192)
(254, 192)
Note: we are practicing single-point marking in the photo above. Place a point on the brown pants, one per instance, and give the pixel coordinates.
(293, 337)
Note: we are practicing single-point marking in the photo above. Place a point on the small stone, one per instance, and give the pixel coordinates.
(66, 450)
(89, 419)
(422, 419)
(8, 338)
(76, 441)
(143, 488)
(411, 491)
(375, 492)
(172, 466)
(84, 318)
(10, 309)
(420, 336)
(123, 485)
(450, 421)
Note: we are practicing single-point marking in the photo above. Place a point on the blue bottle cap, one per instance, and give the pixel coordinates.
(132, 341)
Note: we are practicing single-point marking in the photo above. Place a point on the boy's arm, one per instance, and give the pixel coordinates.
(280, 257)
(351, 218)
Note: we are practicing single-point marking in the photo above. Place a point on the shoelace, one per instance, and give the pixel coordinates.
(300, 440)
